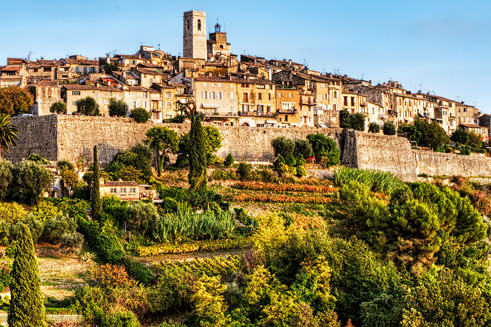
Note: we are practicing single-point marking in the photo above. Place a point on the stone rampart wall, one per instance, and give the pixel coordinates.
(36, 135)
(71, 136)
(447, 164)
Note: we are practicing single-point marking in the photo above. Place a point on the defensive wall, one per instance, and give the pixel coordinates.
(394, 154)
(57, 137)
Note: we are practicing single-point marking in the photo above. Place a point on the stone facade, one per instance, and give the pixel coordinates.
(195, 43)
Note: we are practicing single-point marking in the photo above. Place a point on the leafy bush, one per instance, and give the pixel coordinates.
(117, 107)
(38, 159)
(88, 107)
(374, 128)
(301, 172)
(244, 171)
(196, 246)
(141, 217)
(140, 115)
(58, 107)
(6, 177)
(302, 148)
(64, 164)
(358, 121)
(282, 146)
(229, 160)
(324, 147)
(29, 182)
(389, 128)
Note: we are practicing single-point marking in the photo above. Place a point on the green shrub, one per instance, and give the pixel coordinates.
(141, 217)
(374, 128)
(244, 171)
(88, 107)
(389, 128)
(229, 160)
(283, 146)
(38, 159)
(290, 161)
(59, 107)
(117, 108)
(169, 205)
(301, 171)
(138, 271)
(140, 115)
(64, 164)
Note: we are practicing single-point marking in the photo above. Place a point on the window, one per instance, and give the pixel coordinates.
(122, 190)
(231, 86)
(280, 94)
(245, 108)
(134, 104)
(168, 95)
(168, 105)
(231, 95)
(345, 102)
(336, 94)
(212, 84)
(335, 106)
(245, 97)
(204, 84)
(199, 24)
(75, 92)
(114, 190)
(290, 95)
(145, 104)
(205, 95)
(269, 110)
(286, 117)
(259, 96)
(132, 190)
(187, 24)
(323, 85)
(352, 101)
(219, 84)
(220, 95)
(260, 109)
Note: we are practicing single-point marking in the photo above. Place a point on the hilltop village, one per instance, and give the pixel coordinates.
(228, 90)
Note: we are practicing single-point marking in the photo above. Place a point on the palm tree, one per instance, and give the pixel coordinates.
(8, 133)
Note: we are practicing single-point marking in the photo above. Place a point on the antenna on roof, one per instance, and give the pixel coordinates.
(29, 56)
(158, 45)
(141, 43)
(362, 75)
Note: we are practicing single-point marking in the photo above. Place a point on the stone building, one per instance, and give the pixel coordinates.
(194, 42)
(216, 97)
(287, 104)
(135, 97)
(218, 47)
(45, 94)
(77, 65)
(257, 105)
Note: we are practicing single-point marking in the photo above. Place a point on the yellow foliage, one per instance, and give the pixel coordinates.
(12, 212)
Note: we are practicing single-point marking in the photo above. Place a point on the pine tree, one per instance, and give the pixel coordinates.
(197, 154)
(96, 193)
(26, 304)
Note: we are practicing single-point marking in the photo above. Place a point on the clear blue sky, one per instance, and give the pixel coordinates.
(440, 46)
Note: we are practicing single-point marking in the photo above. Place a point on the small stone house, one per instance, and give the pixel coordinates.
(125, 191)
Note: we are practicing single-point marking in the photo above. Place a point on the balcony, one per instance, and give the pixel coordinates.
(286, 111)
(255, 114)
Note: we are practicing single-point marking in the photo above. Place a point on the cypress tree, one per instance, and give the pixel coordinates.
(197, 155)
(26, 304)
(96, 193)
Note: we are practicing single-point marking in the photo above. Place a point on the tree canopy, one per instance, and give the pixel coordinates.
(117, 107)
(163, 141)
(58, 107)
(26, 305)
(88, 106)
(15, 101)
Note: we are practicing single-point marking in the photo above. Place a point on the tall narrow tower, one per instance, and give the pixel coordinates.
(194, 45)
